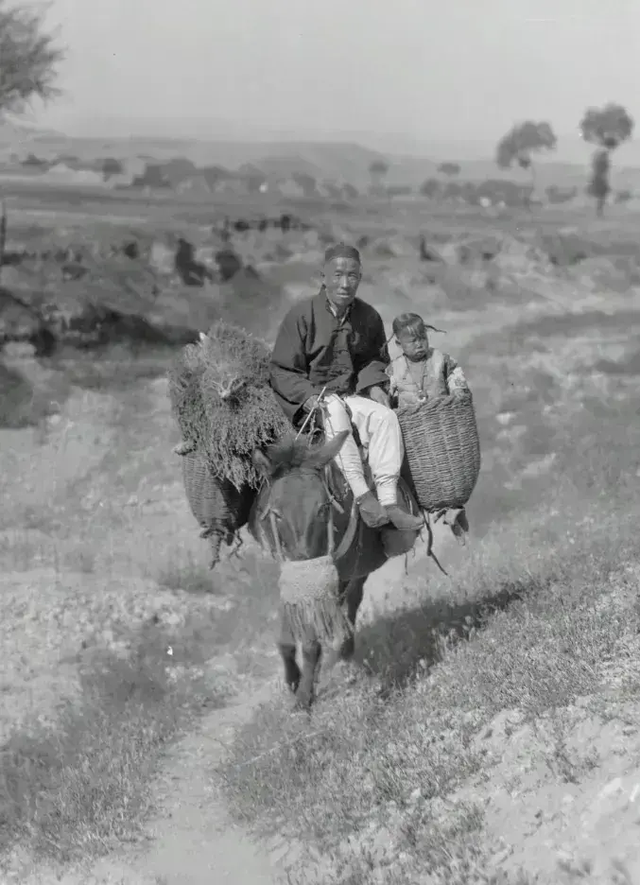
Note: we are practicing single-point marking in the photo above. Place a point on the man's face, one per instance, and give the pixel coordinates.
(341, 279)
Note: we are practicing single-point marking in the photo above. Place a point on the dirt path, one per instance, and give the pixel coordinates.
(194, 841)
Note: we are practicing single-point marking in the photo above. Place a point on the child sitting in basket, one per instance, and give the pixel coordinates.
(420, 373)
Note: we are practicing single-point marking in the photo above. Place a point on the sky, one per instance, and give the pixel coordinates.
(419, 71)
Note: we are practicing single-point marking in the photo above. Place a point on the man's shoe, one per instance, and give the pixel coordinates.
(404, 521)
(372, 512)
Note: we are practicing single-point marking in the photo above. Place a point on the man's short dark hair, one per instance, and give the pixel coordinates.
(342, 250)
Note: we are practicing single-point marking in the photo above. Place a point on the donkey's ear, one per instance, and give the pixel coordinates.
(328, 451)
(261, 463)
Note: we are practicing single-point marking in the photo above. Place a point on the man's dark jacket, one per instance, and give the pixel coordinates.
(313, 350)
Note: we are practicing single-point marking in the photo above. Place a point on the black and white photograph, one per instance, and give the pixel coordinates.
(319, 442)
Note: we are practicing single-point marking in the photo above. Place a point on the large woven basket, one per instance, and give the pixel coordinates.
(216, 504)
(442, 450)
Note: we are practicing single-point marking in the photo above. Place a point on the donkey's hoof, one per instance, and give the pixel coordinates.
(304, 700)
(293, 685)
(292, 676)
(348, 649)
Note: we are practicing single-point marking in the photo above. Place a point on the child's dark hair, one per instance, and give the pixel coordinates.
(412, 322)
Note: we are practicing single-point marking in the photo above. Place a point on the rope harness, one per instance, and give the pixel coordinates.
(430, 553)
(333, 504)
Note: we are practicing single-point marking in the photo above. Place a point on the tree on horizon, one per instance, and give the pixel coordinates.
(378, 170)
(607, 127)
(520, 144)
(449, 169)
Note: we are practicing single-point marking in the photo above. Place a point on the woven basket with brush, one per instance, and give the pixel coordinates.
(442, 450)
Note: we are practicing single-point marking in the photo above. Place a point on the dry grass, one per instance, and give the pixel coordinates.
(20, 404)
(245, 625)
(189, 576)
(79, 787)
(75, 783)
(389, 752)
(385, 782)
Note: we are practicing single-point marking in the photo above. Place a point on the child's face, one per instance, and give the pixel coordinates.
(414, 346)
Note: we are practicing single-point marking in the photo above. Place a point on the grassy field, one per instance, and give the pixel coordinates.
(487, 716)
(117, 638)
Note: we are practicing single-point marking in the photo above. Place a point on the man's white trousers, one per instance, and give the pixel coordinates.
(381, 437)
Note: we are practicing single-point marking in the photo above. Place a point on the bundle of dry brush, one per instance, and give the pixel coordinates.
(222, 401)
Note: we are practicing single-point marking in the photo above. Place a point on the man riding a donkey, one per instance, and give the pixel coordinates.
(316, 511)
(335, 343)
(333, 512)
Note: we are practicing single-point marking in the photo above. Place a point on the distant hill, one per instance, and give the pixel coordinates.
(341, 161)
(336, 161)
(14, 133)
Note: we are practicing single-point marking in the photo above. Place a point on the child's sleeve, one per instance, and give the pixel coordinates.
(456, 380)
(393, 385)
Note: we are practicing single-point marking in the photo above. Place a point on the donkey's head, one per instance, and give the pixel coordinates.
(298, 495)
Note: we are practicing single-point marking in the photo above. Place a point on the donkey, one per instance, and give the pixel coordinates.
(303, 500)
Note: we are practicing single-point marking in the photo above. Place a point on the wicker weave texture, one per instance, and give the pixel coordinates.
(442, 450)
(213, 502)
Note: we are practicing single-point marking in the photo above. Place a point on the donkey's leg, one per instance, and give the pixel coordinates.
(351, 593)
(291, 669)
(311, 654)
(287, 649)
